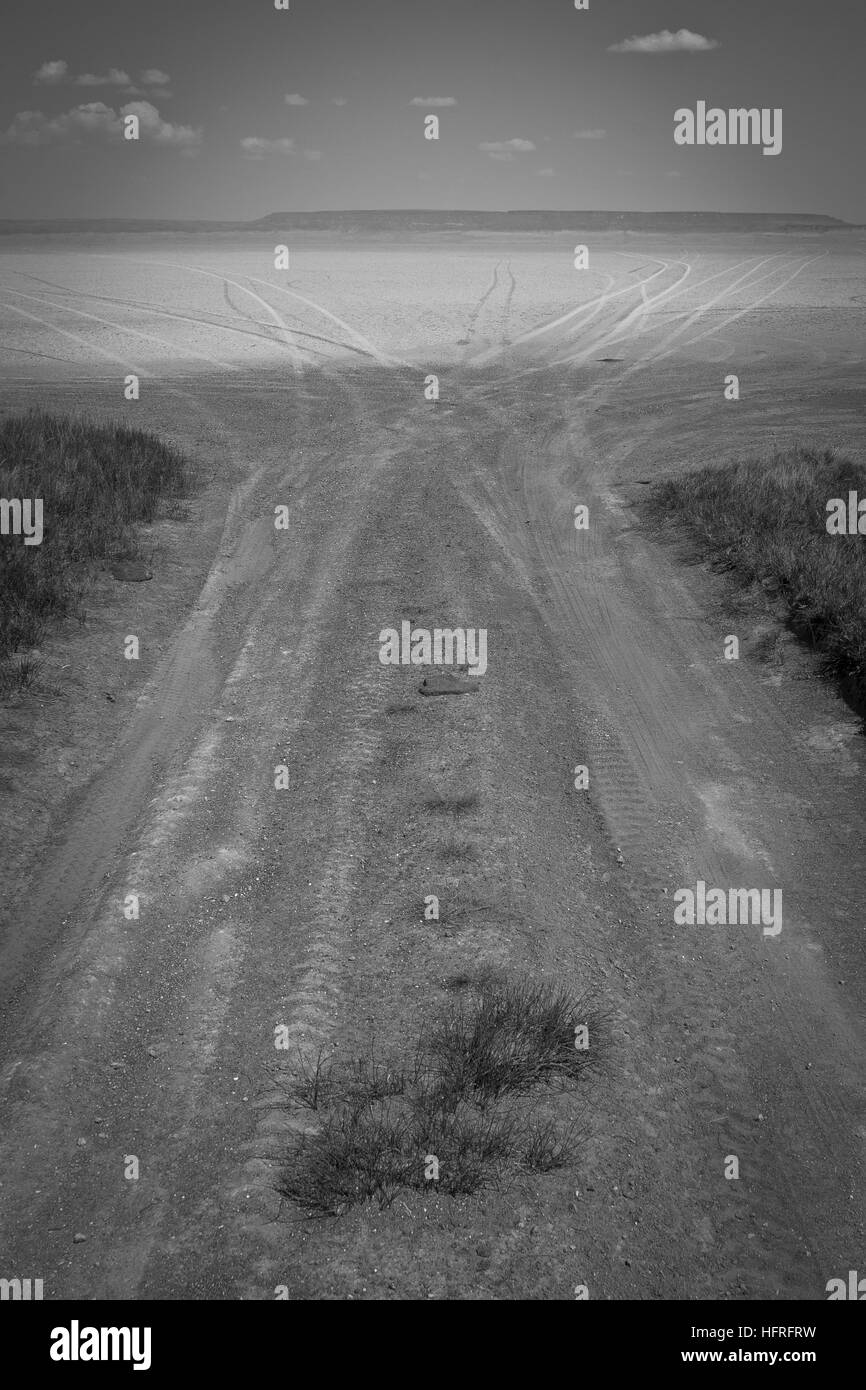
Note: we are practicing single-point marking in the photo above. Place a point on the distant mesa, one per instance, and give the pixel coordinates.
(422, 219)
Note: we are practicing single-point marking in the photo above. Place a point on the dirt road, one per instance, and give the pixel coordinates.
(154, 1038)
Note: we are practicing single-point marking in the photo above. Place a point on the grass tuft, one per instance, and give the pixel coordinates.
(514, 1036)
(456, 851)
(764, 521)
(97, 482)
(459, 1101)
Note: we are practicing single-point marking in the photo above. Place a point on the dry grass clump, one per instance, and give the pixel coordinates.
(765, 521)
(97, 482)
(458, 1115)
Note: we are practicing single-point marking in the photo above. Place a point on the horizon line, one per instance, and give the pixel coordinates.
(444, 212)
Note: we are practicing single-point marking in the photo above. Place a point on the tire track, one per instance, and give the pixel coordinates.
(134, 332)
(466, 342)
(100, 984)
(636, 750)
(298, 358)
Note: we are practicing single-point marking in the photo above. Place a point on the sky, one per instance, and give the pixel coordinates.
(245, 109)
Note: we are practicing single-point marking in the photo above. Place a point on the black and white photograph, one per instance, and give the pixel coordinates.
(432, 666)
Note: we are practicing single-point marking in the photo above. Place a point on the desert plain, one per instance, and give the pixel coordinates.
(303, 908)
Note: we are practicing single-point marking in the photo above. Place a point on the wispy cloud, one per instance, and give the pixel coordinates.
(51, 73)
(683, 41)
(505, 150)
(433, 101)
(100, 123)
(589, 134)
(256, 146)
(115, 77)
(546, 173)
(159, 132)
(295, 99)
(56, 72)
(340, 101)
(313, 155)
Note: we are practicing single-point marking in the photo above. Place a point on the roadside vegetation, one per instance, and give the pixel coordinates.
(97, 482)
(765, 522)
(469, 1106)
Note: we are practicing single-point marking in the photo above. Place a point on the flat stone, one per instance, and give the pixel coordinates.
(130, 571)
(447, 685)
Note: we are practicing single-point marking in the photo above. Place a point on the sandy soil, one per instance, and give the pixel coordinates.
(155, 1038)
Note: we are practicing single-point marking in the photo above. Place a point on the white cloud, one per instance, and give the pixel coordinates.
(433, 101)
(589, 134)
(54, 73)
(160, 132)
(96, 121)
(683, 41)
(256, 146)
(295, 99)
(51, 72)
(115, 77)
(505, 149)
(33, 128)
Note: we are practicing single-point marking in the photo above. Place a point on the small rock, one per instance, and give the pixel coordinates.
(130, 571)
(447, 685)
(78, 1238)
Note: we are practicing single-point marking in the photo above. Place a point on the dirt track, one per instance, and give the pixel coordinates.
(304, 907)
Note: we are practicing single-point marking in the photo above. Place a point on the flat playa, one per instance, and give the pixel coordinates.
(189, 304)
(305, 388)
